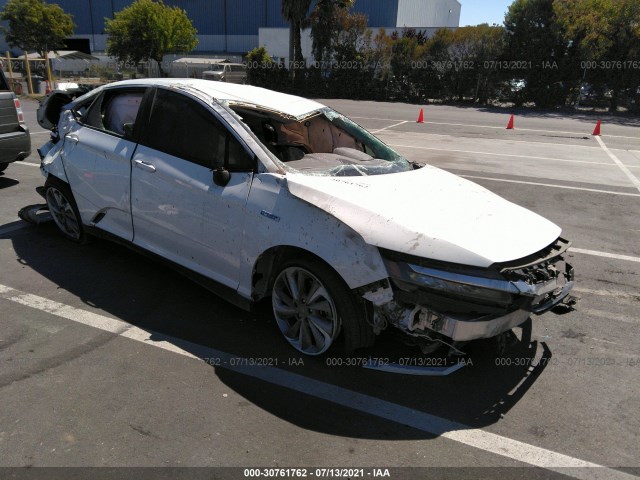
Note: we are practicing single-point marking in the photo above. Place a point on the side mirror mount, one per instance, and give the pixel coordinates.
(221, 176)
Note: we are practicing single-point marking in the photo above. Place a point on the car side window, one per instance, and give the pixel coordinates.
(113, 110)
(181, 127)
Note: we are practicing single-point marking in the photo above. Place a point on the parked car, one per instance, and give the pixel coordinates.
(227, 72)
(257, 194)
(15, 141)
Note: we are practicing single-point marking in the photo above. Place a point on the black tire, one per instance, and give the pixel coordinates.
(3, 167)
(64, 210)
(350, 326)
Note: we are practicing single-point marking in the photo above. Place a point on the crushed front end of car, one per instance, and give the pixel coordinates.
(439, 303)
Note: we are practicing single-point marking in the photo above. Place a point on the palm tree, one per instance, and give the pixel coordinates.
(295, 11)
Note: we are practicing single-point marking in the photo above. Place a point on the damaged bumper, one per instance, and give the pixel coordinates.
(433, 300)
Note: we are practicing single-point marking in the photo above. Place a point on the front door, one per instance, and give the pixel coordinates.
(178, 211)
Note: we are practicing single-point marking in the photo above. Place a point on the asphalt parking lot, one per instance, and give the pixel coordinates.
(111, 360)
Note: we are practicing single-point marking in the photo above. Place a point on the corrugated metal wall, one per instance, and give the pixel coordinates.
(237, 31)
(381, 13)
(206, 15)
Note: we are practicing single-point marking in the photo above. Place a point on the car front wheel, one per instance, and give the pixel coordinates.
(3, 166)
(64, 210)
(309, 302)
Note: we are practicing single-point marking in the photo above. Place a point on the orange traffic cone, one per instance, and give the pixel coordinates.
(47, 89)
(510, 126)
(421, 116)
(596, 131)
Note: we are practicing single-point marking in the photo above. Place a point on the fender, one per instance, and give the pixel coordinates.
(274, 217)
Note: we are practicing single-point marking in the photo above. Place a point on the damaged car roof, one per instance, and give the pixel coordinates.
(244, 94)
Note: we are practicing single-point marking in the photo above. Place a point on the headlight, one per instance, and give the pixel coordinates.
(453, 287)
(460, 284)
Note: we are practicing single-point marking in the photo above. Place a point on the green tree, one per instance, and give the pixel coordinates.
(259, 63)
(538, 49)
(35, 25)
(295, 11)
(353, 77)
(147, 30)
(325, 23)
(607, 32)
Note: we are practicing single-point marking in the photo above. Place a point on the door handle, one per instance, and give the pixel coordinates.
(145, 166)
(72, 138)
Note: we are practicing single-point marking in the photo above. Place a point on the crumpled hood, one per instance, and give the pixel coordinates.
(429, 213)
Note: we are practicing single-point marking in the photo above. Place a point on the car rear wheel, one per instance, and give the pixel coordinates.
(64, 210)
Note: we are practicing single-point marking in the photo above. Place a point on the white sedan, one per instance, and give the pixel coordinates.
(258, 194)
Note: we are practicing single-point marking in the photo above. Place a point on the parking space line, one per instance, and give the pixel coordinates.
(607, 315)
(551, 185)
(431, 424)
(622, 166)
(390, 126)
(582, 134)
(504, 139)
(607, 293)
(27, 164)
(503, 155)
(605, 254)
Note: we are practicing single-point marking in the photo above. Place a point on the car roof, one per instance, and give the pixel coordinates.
(290, 105)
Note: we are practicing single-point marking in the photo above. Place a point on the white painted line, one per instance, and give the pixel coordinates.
(502, 154)
(504, 140)
(17, 224)
(27, 164)
(390, 126)
(622, 166)
(605, 254)
(552, 185)
(607, 315)
(607, 293)
(48, 132)
(582, 134)
(458, 432)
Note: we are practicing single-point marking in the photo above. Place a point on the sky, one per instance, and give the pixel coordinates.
(475, 12)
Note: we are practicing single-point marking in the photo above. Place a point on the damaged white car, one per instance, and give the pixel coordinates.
(257, 194)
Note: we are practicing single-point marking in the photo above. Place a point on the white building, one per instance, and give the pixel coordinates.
(392, 15)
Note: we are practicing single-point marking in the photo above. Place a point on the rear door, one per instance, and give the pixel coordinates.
(178, 211)
(97, 154)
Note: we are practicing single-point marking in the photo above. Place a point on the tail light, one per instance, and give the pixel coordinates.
(19, 113)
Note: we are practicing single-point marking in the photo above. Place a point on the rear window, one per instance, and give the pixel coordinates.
(113, 110)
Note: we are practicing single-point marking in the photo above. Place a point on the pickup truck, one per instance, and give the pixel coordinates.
(15, 142)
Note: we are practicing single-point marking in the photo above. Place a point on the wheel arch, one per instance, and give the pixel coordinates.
(266, 265)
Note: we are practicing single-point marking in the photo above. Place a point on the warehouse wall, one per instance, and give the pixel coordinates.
(234, 25)
(428, 13)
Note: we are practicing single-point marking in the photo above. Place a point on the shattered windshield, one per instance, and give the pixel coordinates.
(325, 143)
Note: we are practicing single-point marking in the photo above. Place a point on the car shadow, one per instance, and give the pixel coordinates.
(155, 298)
(6, 182)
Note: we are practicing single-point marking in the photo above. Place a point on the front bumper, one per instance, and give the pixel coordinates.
(466, 303)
